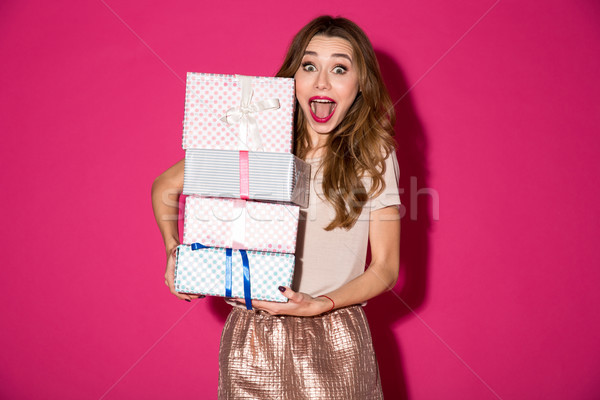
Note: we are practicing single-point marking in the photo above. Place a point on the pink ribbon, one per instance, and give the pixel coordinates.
(244, 172)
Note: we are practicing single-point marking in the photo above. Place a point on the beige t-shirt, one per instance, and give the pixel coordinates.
(326, 260)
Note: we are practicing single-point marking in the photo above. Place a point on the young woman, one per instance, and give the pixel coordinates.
(318, 344)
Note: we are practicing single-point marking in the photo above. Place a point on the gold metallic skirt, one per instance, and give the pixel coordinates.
(329, 356)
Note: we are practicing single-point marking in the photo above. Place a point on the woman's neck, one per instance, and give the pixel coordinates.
(315, 153)
(317, 144)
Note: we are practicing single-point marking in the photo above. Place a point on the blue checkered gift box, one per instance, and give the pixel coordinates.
(222, 272)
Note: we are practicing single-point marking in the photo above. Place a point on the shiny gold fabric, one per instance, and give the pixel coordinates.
(287, 358)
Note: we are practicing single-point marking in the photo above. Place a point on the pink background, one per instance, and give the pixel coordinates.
(499, 295)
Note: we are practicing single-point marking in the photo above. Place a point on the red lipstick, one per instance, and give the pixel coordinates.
(323, 106)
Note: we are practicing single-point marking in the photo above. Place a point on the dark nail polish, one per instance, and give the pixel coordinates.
(188, 300)
(201, 297)
(281, 289)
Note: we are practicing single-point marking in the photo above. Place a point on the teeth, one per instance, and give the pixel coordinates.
(323, 101)
(313, 106)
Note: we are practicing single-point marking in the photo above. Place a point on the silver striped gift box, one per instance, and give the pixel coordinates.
(280, 177)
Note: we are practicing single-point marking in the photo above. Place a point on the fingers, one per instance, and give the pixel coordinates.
(187, 297)
(299, 304)
(276, 308)
(170, 280)
(266, 306)
(290, 294)
(181, 296)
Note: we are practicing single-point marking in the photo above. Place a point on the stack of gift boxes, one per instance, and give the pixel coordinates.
(243, 185)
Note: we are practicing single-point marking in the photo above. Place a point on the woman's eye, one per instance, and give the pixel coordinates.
(339, 70)
(309, 67)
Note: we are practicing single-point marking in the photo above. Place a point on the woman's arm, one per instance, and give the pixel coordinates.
(165, 203)
(384, 238)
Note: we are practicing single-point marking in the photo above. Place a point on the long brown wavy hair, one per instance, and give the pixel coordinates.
(358, 146)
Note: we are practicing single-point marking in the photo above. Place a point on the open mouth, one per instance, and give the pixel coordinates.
(321, 108)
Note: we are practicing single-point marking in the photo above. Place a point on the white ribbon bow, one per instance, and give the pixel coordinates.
(248, 129)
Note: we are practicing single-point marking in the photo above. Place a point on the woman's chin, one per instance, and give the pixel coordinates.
(322, 128)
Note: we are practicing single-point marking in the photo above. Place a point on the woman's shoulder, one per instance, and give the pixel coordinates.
(387, 182)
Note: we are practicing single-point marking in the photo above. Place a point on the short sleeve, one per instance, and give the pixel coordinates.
(390, 195)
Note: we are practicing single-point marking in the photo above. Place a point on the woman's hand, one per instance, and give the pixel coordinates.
(165, 203)
(170, 277)
(299, 304)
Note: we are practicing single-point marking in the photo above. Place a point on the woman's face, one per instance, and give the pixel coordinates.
(326, 83)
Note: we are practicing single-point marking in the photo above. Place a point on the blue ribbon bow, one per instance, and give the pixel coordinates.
(228, 272)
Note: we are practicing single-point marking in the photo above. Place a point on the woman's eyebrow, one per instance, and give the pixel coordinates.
(339, 55)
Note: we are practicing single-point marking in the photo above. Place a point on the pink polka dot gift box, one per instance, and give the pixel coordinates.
(240, 224)
(237, 112)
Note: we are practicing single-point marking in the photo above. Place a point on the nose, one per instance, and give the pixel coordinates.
(322, 80)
